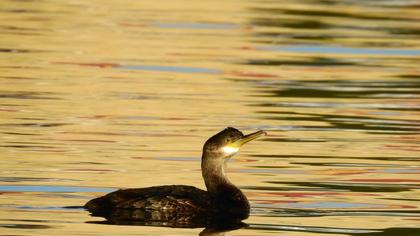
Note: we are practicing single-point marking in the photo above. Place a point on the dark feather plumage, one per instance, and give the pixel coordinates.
(167, 198)
(181, 205)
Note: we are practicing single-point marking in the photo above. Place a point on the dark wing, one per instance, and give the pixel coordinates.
(179, 198)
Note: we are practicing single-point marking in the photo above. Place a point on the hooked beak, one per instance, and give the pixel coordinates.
(249, 137)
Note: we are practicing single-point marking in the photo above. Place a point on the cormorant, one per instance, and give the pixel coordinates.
(180, 205)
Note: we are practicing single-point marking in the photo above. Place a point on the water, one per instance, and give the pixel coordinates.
(100, 95)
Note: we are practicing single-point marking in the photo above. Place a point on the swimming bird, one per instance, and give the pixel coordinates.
(181, 204)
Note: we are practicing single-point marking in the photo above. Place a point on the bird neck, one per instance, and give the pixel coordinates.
(214, 175)
(221, 190)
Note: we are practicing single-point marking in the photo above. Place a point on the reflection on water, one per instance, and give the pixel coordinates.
(98, 96)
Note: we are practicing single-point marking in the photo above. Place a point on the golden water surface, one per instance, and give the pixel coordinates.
(100, 95)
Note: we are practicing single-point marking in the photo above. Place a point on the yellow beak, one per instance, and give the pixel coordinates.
(249, 137)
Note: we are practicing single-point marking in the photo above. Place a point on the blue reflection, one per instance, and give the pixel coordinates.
(49, 208)
(342, 50)
(49, 188)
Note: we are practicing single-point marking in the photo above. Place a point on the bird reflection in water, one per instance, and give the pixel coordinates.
(212, 226)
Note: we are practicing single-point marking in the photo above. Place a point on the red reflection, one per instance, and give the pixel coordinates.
(385, 180)
(101, 65)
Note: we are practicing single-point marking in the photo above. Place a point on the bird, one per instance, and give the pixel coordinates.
(182, 205)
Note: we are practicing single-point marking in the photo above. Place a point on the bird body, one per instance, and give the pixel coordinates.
(181, 204)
